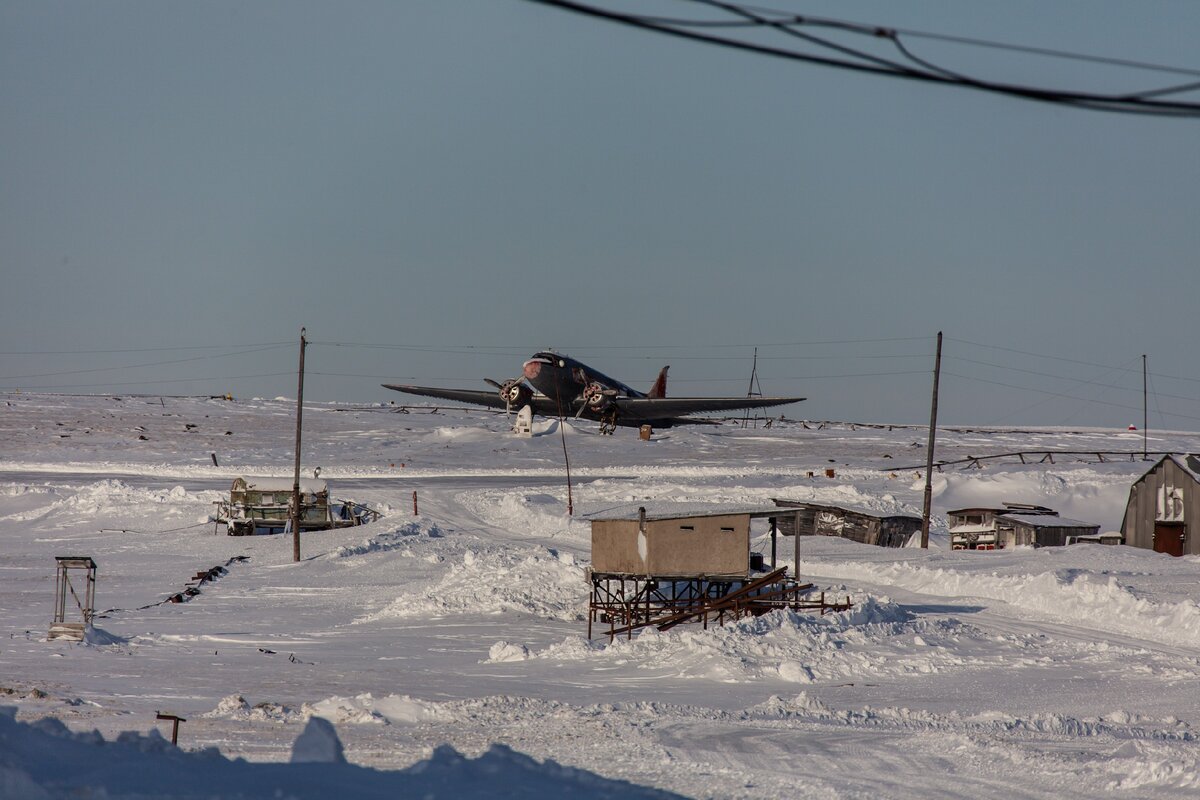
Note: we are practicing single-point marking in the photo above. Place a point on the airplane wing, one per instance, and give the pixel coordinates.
(658, 408)
(541, 405)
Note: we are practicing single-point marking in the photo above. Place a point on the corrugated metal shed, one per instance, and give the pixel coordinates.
(1163, 512)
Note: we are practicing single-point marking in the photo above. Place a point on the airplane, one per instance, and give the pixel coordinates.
(556, 385)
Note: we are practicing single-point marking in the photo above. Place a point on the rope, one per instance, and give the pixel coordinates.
(168, 530)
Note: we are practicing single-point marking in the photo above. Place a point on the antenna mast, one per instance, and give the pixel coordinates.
(755, 390)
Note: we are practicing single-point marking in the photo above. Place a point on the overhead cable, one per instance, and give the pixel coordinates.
(825, 52)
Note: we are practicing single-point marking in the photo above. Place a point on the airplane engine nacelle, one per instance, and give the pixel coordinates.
(515, 394)
(596, 397)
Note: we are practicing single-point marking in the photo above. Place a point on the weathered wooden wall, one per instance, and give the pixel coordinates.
(714, 546)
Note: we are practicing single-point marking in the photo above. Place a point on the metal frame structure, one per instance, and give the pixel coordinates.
(629, 602)
(60, 628)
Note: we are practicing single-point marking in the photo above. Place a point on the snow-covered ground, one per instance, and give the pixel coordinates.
(1024, 673)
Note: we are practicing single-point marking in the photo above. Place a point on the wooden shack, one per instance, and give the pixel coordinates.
(664, 566)
(1014, 525)
(704, 544)
(263, 505)
(1163, 512)
(848, 522)
(1041, 530)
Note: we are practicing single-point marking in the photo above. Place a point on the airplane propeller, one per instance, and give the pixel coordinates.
(595, 396)
(514, 392)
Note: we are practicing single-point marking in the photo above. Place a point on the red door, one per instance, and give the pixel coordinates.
(1168, 538)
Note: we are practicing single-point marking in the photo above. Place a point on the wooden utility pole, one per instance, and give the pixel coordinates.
(1145, 412)
(937, 374)
(296, 473)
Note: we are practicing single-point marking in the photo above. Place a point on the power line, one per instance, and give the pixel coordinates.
(1077, 381)
(859, 27)
(1060, 394)
(1044, 400)
(1145, 102)
(139, 366)
(143, 383)
(1066, 360)
(139, 349)
(525, 349)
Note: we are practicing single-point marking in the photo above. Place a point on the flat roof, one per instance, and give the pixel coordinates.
(660, 510)
(307, 485)
(1008, 509)
(1047, 521)
(853, 509)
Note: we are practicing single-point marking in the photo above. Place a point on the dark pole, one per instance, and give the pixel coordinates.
(175, 720)
(937, 374)
(566, 459)
(296, 473)
(1145, 412)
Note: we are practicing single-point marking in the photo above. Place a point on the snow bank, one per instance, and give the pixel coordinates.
(107, 497)
(527, 514)
(1116, 724)
(236, 707)
(876, 638)
(1067, 595)
(541, 582)
(365, 709)
(388, 540)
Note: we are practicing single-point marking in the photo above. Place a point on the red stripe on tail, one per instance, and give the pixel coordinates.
(659, 389)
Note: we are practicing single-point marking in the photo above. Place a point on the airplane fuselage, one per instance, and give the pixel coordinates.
(564, 379)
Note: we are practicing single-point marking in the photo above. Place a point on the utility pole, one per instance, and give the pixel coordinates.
(1145, 412)
(296, 473)
(937, 374)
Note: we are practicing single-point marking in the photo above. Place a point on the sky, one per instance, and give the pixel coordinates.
(437, 190)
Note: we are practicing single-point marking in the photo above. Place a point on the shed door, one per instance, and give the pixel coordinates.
(1169, 538)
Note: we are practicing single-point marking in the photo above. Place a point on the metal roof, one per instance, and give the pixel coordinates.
(1047, 521)
(866, 512)
(661, 510)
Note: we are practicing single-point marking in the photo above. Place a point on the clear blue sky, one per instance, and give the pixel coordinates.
(459, 184)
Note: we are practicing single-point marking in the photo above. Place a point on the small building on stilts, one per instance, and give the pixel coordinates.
(670, 564)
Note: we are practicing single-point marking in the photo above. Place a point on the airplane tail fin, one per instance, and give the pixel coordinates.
(659, 389)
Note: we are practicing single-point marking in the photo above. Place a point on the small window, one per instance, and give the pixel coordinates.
(687, 527)
(726, 530)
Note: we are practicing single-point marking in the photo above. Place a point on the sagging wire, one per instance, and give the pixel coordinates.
(1146, 102)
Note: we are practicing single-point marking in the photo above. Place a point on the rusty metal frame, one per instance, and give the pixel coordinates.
(629, 602)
